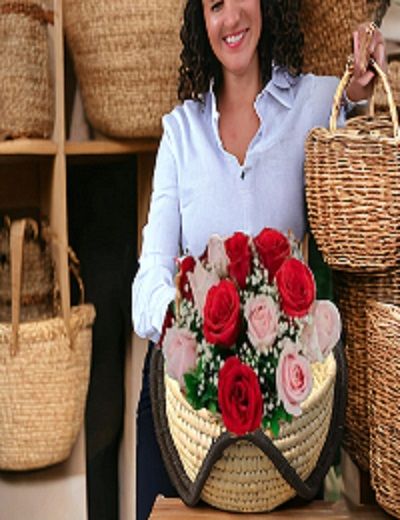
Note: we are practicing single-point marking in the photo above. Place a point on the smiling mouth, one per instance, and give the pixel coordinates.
(233, 40)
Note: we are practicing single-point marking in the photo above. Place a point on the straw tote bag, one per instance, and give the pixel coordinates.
(327, 27)
(27, 89)
(353, 189)
(126, 57)
(44, 373)
(249, 473)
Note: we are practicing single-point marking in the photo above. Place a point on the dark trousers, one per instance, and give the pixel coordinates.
(151, 476)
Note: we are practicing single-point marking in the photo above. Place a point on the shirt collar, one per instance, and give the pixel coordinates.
(280, 87)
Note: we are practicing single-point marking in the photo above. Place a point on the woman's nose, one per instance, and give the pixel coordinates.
(232, 13)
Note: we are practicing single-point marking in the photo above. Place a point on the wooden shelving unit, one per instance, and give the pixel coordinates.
(28, 147)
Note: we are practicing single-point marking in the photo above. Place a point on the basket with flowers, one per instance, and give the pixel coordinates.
(248, 366)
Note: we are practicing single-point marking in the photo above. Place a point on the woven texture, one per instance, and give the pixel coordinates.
(328, 26)
(27, 93)
(351, 294)
(126, 58)
(38, 300)
(394, 79)
(352, 188)
(244, 479)
(384, 388)
(43, 389)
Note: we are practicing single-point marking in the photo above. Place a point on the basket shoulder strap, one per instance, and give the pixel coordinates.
(17, 234)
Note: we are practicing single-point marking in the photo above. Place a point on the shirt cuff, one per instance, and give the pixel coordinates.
(350, 105)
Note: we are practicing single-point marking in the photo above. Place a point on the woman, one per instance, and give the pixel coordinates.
(230, 158)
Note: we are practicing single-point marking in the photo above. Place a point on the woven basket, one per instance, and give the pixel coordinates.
(394, 80)
(37, 300)
(250, 473)
(44, 374)
(328, 25)
(126, 57)
(351, 294)
(353, 189)
(384, 390)
(27, 93)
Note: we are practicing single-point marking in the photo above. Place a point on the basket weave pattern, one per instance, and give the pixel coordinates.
(126, 58)
(43, 389)
(383, 378)
(27, 93)
(238, 480)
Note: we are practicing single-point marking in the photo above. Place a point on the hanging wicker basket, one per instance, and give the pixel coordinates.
(27, 90)
(126, 57)
(351, 294)
(249, 473)
(353, 189)
(327, 27)
(384, 389)
(44, 375)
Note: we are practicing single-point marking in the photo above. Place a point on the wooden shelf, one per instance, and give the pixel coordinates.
(115, 147)
(26, 146)
(174, 509)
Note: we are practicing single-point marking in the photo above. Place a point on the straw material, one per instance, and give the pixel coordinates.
(27, 93)
(244, 479)
(384, 390)
(352, 188)
(126, 57)
(328, 27)
(351, 293)
(43, 389)
(394, 80)
(38, 299)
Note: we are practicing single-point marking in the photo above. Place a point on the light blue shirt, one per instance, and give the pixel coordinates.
(200, 189)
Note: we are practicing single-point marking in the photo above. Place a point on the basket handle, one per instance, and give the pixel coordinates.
(343, 84)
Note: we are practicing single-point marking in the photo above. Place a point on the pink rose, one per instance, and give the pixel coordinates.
(327, 324)
(201, 281)
(262, 320)
(293, 378)
(309, 343)
(216, 256)
(179, 350)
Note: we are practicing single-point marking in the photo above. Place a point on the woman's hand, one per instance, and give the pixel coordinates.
(368, 43)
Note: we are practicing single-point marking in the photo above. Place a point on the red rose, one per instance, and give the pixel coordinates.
(272, 248)
(296, 287)
(238, 251)
(185, 266)
(239, 397)
(221, 314)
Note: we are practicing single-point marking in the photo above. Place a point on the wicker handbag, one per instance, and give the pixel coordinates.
(248, 473)
(384, 388)
(351, 294)
(44, 373)
(327, 27)
(126, 58)
(353, 189)
(27, 92)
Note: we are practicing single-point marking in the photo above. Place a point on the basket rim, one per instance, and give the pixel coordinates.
(190, 492)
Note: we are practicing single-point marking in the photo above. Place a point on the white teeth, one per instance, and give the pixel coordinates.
(234, 39)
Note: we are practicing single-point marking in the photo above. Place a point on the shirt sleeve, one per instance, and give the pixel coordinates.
(154, 287)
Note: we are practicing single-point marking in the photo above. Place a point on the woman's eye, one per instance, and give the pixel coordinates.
(216, 6)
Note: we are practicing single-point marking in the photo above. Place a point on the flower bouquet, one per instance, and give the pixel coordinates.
(246, 350)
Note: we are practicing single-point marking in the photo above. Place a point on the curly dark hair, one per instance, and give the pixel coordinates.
(281, 41)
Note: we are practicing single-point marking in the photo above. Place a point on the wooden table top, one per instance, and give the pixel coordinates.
(174, 509)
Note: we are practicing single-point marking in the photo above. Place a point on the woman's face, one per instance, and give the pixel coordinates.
(234, 28)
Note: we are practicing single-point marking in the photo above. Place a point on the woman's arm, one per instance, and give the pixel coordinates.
(154, 288)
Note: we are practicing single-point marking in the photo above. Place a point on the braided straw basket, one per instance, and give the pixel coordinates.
(44, 374)
(384, 389)
(353, 189)
(351, 293)
(126, 57)
(250, 473)
(27, 93)
(327, 26)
